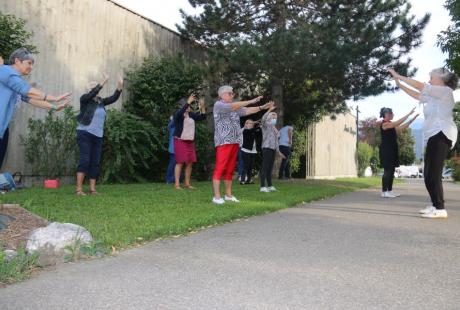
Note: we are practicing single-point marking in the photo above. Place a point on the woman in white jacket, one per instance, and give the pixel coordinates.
(439, 129)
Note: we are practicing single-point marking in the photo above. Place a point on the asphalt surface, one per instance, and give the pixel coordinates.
(354, 251)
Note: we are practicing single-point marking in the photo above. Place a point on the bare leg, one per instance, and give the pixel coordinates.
(216, 188)
(228, 187)
(177, 171)
(92, 185)
(188, 174)
(80, 179)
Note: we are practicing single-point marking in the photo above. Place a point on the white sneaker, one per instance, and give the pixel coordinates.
(394, 194)
(264, 190)
(436, 214)
(388, 195)
(271, 189)
(383, 194)
(232, 199)
(218, 201)
(427, 210)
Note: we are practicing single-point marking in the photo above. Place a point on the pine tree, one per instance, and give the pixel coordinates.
(309, 56)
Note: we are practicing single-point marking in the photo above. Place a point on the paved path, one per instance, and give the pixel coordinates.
(354, 251)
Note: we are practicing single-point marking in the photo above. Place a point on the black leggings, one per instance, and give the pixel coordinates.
(387, 179)
(267, 167)
(248, 163)
(436, 152)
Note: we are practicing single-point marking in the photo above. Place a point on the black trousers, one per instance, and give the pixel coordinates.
(284, 167)
(3, 146)
(436, 152)
(387, 179)
(248, 164)
(267, 166)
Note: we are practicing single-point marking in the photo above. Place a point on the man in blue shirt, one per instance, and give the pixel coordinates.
(14, 88)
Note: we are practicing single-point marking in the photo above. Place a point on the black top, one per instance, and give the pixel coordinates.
(389, 154)
(249, 136)
(179, 119)
(90, 101)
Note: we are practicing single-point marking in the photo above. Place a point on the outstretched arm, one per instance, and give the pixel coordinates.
(411, 82)
(405, 125)
(397, 123)
(413, 93)
(240, 104)
(48, 106)
(253, 110)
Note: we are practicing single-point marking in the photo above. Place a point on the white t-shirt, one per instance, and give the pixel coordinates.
(438, 111)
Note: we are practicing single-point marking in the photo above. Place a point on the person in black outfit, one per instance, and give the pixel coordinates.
(249, 149)
(389, 158)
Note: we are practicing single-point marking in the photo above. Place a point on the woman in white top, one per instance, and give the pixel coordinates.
(439, 129)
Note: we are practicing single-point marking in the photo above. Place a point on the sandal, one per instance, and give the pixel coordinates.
(177, 187)
(80, 193)
(189, 187)
(93, 193)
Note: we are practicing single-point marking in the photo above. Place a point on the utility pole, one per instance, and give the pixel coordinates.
(357, 126)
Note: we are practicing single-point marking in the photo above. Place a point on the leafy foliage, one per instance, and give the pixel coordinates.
(406, 147)
(310, 56)
(51, 144)
(154, 88)
(130, 147)
(449, 40)
(13, 35)
(18, 268)
(365, 153)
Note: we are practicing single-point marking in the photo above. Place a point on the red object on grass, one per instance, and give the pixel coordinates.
(51, 183)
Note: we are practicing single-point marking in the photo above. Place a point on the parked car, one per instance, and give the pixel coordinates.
(447, 173)
(407, 172)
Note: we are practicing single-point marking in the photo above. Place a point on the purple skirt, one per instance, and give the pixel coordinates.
(184, 151)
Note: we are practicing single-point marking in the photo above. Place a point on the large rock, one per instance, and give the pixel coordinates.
(52, 243)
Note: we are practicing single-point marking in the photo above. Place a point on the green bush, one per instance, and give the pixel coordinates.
(204, 142)
(154, 89)
(365, 153)
(51, 144)
(455, 165)
(299, 149)
(13, 35)
(130, 147)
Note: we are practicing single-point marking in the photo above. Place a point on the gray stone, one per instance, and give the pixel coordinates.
(10, 255)
(57, 241)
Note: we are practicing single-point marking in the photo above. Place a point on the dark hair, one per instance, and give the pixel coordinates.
(384, 111)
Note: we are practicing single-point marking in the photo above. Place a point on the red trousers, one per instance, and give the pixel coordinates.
(226, 156)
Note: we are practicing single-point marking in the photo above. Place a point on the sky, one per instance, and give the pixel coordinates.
(426, 57)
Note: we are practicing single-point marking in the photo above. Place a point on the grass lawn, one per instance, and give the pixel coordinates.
(125, 215)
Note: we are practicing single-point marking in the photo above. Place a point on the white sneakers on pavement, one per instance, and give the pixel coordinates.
(436, 214)
(427, 210)
(232, 198)
(388, 195)
(394, 194)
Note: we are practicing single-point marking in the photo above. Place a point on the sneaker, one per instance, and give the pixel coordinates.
(271, 189)
(427, 210)
(436, 214)
(232, 199)
(218, 201)
(264, 190)
(388, 195)
(383, 194)
(394, 194)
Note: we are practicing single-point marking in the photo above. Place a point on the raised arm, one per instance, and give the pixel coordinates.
(405, 125)
(389, 125)
(85, 98)
(116, 94)
(240, 104)
(413, 93)
(411, 82)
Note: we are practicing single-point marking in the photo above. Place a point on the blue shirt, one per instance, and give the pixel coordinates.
(12, 87)
(171, 136)
(284, 135)
(96, 127)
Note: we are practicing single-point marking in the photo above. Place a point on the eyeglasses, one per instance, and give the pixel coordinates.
(230, 93)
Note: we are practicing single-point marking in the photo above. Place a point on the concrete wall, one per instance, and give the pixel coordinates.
(331, 148)
(77, 40)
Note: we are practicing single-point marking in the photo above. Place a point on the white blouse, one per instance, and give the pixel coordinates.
(438, 111)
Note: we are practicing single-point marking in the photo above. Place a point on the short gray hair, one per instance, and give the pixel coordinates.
(450, 79)
(224, 89)
(21, 54)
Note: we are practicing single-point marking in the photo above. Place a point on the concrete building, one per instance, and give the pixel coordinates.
(331, 148)
(77, 41)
